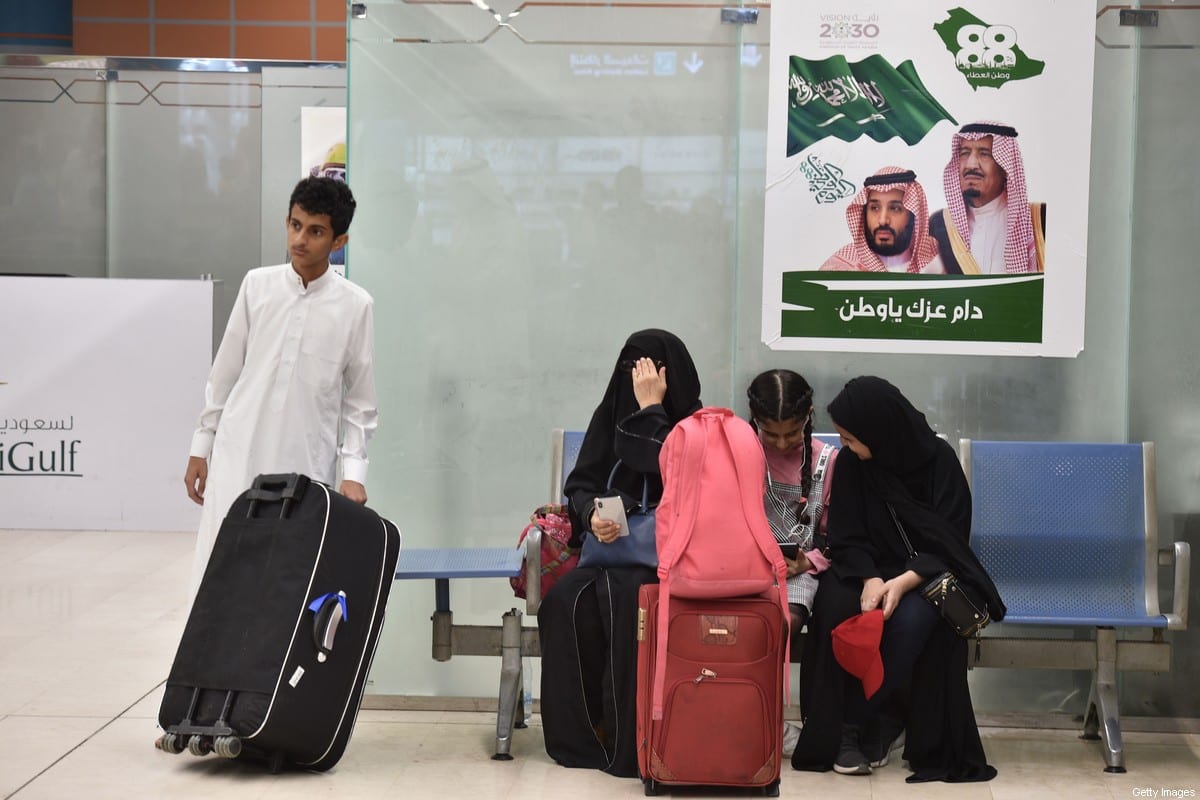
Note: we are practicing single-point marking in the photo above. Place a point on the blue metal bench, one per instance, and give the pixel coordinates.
(1069, 534)
(510, 640)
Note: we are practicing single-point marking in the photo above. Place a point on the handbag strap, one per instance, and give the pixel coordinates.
(907, 544)
(645, 485)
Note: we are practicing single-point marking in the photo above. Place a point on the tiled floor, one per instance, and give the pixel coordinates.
(86, 634)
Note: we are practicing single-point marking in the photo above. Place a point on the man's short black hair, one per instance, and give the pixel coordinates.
(319, 195)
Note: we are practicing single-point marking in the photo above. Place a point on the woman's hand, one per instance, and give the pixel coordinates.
(896, 588)
(797, 567)
(604, 529)
(649, 384)
(872, 594)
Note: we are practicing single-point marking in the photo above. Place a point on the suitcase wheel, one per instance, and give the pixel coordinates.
(170, 743)
(651, 787)
(227, 746)
(199, 745)
(771, 789)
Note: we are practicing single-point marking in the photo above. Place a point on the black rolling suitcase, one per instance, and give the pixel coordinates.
(275, 654)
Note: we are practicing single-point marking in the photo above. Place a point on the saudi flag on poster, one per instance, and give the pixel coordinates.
(837, 97)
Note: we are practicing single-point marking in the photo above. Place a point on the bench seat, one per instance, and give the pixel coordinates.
(445, 563)
(510, 640)
(1068, 532)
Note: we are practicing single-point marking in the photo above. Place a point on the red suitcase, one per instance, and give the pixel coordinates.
(723, 701)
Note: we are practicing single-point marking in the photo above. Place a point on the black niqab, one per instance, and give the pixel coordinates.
(598, 454)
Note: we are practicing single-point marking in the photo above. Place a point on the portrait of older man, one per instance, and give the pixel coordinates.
(888, 227)
(989, 226)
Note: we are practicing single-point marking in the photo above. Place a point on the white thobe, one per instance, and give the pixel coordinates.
(988, 231)
(294, 367)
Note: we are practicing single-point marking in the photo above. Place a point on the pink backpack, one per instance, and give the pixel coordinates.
(711, 527)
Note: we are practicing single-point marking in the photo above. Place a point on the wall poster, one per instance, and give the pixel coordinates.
(927, 176)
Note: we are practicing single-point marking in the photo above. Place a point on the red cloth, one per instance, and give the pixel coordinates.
(856, 648)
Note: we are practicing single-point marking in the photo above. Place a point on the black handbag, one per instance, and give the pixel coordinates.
(949, 596)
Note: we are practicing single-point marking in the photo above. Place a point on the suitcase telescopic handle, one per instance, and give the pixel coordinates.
(287, 488)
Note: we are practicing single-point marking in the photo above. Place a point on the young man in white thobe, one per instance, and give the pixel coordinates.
(295, 367)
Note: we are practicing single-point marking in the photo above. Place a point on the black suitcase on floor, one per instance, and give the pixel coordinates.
(275, 655)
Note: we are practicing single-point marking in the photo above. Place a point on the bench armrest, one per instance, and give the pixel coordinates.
(533, 570)
(1181, 556)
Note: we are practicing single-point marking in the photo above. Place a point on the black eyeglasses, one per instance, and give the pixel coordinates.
(627, 364)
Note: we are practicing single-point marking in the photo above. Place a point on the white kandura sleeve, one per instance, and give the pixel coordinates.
(360, 408)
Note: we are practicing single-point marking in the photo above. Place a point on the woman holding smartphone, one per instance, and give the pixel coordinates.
(587, 622)
(799, 475)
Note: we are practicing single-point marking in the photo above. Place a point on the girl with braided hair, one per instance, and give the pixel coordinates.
(799, 472)
(798, 478)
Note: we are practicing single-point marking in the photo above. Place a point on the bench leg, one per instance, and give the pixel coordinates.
(511, 693)
(1102, 715)
(443, 621)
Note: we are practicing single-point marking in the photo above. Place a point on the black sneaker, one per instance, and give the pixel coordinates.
(850, 758)
(889, 737)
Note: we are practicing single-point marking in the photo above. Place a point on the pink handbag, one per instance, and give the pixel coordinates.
(557, 558)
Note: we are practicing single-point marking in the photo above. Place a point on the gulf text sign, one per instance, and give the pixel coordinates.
(100, 384)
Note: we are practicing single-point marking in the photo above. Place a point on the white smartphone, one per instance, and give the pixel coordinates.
(613, 509)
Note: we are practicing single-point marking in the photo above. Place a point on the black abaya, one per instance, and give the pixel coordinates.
(587, 622)
(588, 629)
(919, 475)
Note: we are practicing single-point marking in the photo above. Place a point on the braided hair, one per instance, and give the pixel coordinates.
(778, 395)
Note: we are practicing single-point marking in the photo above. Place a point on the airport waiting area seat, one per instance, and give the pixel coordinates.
(510, 640)
(1068, 531)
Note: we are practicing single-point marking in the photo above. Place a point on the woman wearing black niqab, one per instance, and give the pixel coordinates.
(890, 455)
(587, 621)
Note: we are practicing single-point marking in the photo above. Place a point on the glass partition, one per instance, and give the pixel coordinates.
(183, 163)
(1164, 371)
(52, 218)
(535, 188)
(535, 183)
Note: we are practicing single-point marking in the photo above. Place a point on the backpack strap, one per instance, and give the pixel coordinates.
(694, 433)
(687, 452)
(818, 474)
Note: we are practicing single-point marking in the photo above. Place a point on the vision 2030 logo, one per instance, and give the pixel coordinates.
(849, 27)
(986, 54)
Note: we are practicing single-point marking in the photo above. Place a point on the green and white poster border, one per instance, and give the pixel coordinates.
(1024, 64)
